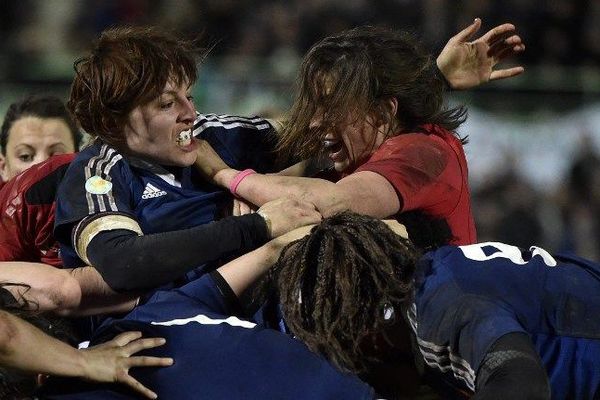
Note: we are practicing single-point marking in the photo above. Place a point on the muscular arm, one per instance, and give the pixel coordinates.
(129, 262)
(66, 292)
(363, 192)
(512, 369)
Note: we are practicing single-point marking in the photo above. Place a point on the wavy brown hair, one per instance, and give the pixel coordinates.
(352, 74)
(336, 284)
(127, 67)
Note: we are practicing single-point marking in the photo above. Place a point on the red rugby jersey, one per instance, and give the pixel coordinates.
(429, 173)
(27, 213)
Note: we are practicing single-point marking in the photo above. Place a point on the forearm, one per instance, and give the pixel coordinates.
(129, 262)
(244, 271)
(96, 296)
(41, 286)
(259, 189)
(26, 348)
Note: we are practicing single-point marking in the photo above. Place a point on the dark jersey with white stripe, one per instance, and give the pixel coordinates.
(468, 297)
(219, 356)
(101, 181)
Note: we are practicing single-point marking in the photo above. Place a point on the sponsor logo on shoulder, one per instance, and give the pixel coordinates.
(151, 191)
(97, 185)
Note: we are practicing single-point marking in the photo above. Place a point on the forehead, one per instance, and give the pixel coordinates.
(172, 85)
(32, 129)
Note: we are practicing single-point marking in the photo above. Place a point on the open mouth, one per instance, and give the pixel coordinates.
(332, 147)
(185, 138)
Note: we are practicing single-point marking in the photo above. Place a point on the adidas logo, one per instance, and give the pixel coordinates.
(152, 191)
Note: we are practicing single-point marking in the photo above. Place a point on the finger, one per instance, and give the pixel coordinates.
(142, 344)
(512, 42)
(467, 33)
(146, 361)
(499, 43)
(506, 73)
(137, 386)
(492, 35)
(244, 209)
(236, 208)
(503, 55)
(126, 337)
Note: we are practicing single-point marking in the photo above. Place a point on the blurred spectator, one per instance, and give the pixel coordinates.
(33, 130)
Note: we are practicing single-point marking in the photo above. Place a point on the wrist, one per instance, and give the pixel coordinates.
(268, 222)
(224, 177)
(235, 182)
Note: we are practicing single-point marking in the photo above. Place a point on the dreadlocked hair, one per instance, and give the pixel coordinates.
(338, 285)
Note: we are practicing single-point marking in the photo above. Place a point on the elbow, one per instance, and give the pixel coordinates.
(66, 297)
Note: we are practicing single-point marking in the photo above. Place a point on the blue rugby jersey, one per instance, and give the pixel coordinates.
(467, 297)
(219, 356)
(159, 199)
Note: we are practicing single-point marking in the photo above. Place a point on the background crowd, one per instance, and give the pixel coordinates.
(534, 141)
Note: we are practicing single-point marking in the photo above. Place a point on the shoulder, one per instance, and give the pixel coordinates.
(205, 122)
(38, 184)
(99, 160)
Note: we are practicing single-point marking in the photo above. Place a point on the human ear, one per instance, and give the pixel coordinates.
(387, 112)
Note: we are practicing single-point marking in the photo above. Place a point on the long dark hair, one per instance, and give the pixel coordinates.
(352, 74)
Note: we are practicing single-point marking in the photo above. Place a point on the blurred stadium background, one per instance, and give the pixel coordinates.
(534, 148)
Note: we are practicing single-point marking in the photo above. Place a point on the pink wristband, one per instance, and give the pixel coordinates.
(238, 179)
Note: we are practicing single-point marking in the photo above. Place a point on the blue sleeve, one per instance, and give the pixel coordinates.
(96, 183)
(200, 294)
(241, 142)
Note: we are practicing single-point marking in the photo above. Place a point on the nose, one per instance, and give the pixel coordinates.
(316, 121)
(188, 112)
(40, 157)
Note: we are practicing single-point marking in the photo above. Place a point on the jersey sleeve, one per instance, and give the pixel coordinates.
(204, 292)
(95, 185)
(424, 171)
(455, 339)
(13, 214)
(241, 142)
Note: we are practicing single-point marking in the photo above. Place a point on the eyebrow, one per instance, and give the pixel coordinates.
(20, 145)
(57, 145)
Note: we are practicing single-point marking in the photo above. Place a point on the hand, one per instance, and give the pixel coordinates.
(468, 64)
(285, 214)
(110, 361)
(242, 207)
(208, 161)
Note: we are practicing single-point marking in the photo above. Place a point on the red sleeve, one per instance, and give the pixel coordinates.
(13, 213)
(423, 169)
(27, 213)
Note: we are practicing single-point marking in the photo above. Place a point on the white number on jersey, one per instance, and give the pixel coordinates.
(513, 253)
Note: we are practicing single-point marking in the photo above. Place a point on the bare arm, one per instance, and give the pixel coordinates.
(242, 272)
(362, 192)
(26, 348)
(67, 292)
